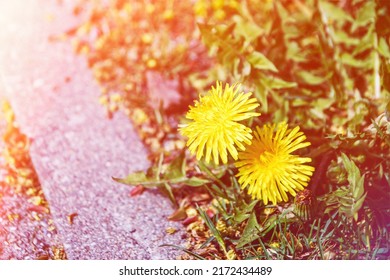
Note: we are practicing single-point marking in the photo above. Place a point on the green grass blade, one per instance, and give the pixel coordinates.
(213, 229)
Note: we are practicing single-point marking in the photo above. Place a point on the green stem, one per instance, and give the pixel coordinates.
(211, 174)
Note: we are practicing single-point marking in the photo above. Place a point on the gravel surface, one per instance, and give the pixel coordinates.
(24, 233)
(76, 149)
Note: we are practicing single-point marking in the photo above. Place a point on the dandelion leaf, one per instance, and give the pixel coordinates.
(177, 167)
(251, 231)
(259, 61)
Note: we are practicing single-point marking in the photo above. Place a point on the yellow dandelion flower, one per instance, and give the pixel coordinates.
(214, 128)
(267, 167)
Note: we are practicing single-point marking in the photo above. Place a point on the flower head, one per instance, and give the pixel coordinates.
(214, 127)
(267, 167)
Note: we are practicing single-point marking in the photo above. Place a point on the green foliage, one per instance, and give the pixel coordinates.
(297, 54)
(250, 232)
(348, 199)
(323, 65)
(164, 176)
(215, 232)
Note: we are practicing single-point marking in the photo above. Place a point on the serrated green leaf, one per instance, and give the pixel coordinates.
(240, 217)
(347, 199)
(341, 37)
(351, 169)
(177, 167)
(259, 61)
(249, 30)
(323, 103)
(334, 12)
(355, 198)
(359, 188)
(350, 60)
(244, 213)
(276, 83)
(136, 178)
(251, 231)
(359, 203)
(311, 79)
(174, 174)
(365, 14)
(295, 52)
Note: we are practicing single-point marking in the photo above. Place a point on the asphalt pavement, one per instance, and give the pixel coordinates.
(75, 148)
